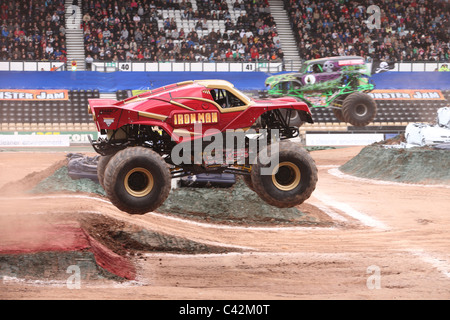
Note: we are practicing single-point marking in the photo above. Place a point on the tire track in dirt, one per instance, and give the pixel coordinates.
(419, 246)
(293, 262)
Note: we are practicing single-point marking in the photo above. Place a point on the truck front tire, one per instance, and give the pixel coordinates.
(291, 181)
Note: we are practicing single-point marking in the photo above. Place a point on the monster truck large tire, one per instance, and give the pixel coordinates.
(137, 180)
(292, 179)
(338, 112)
(101, 167)
(295, 119)
(339, 115)
(359, 109)
(248, 181)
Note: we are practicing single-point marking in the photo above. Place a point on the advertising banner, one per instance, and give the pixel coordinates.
(406, 94)
(60, 138)
(34, 141)
(33, 95)
(343, 139)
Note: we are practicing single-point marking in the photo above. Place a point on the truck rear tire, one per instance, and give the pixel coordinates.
(137, 180)
(359, 109)
(101, 167)
(292, 180)
(295, 120)
(248, 181)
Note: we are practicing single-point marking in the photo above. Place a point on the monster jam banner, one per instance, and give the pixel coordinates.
(382, 66)
(406, 94)
(34, 95)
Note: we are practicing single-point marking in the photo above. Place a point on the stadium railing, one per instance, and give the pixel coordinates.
(145, 66)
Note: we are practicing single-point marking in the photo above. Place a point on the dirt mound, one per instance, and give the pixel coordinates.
(49, 246)
(132, 240)
(46, 246)
(32, 179)
(236, 205)
(392, 141)
(60, 181)
(407, 165)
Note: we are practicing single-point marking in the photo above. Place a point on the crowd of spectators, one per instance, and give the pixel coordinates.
(32, 30)
(407, 30)
(117, 30)
(136, 30)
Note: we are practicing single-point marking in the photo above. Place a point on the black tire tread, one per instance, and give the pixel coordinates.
(117, 163)
(101, 167)
(289, 149)
(248, 181)
(354, 99)
(339, 115)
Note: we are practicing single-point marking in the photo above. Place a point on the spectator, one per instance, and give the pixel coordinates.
(444, 68)
(254, 53)
(55, 17)
(124, 34)
(89, 61)
(86, 18)
(49, 49)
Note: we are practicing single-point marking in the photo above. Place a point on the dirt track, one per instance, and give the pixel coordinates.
(388, 241)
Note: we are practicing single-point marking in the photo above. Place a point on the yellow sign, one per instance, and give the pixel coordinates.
(181, 119)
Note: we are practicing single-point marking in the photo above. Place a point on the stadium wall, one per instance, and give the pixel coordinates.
(412, 80)
(114, 81)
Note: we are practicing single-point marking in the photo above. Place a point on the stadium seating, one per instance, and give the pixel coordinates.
(147, 33)
(122, 94)
(49, 115)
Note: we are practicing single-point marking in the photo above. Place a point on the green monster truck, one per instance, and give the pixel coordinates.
(340, 83)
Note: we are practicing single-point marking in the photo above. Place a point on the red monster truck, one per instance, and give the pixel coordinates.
(193, 127)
